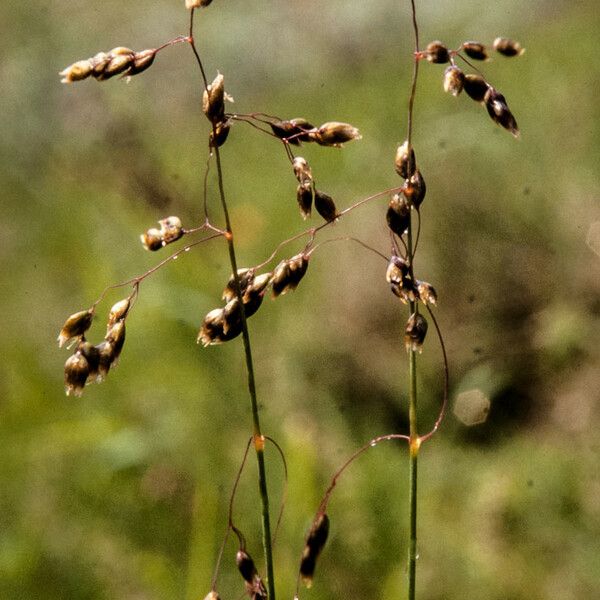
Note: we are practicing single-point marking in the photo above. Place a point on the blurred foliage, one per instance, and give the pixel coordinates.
(123, 494)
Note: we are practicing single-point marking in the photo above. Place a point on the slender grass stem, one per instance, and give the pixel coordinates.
(259, 440)
(412, 408)
(414, 452)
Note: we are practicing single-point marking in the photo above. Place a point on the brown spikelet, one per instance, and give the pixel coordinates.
(293, 131)
(141, 61)
(314, 544)
(476, 87)
(220, 133)
(475, 50)
(508, 47)
(498, 110)
(415, 189)
(75, 326)
(76, 374)
(405, 162)
(415, 332)
(325, 206)
(398, 214)
(304, 196)
(118, 311)
(426, 293)
(288, 274)
(454, 80)
(436, 52)
(213, 100)
(335, 134)
(302, 170)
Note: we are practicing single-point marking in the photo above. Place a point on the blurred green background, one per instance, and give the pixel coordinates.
(123, 493)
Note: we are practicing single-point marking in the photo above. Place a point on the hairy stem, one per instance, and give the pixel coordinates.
(259, 440)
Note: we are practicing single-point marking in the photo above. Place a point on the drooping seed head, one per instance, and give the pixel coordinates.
(152, 239)
(218, 136)
(436, 52)
(75, 326)
(476, 87)
(325, 206)
(314, 544)
(335, 134)
(508, 47)
(171, 229)
(475, 50)
(76, 374)
(415, 189)
(213, 100)
(498, 110)
(454, 80)
(288, 274)
(415, 332)
(78, 71)
(302, 170)
(426, 292)
(304, 196)
(246, 566)
(405, 161)
(118, 311)
(398, 214)
(245, 276)
(211, 331)
(116, 336)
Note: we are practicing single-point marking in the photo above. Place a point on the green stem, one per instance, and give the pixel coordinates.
(259, 440)
(414, 452)
(412, 406)
(258, 437)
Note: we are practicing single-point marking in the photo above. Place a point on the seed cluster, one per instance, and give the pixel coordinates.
(333, 134)
(306, 192)
(224, 324)
(455, 80)
(89, 363)
(399, 273)
(104, 65)
(213, 106)
(170, 231)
